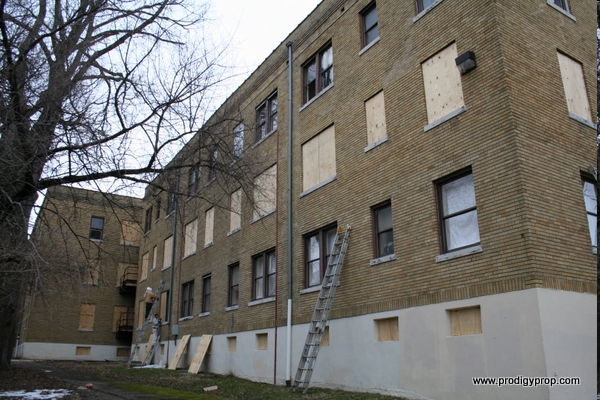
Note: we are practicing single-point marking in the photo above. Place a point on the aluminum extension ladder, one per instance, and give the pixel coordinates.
(145, 325)
(321, 313)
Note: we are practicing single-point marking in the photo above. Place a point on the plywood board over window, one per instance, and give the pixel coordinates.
(191, 237)
(465, 321)
(131, 233)
(144, 273)
(265, 192)
(387, 329)
(574, 85)
(235, 218)
(318, 159)
(209, 226)
(86, 316)
(443, 87)
(168, 252)
(375, 111)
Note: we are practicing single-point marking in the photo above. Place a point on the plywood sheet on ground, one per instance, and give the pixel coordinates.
(179, 351)
(200, 353)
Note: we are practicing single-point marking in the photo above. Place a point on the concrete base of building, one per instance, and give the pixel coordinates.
(69, 351)
(535, 333)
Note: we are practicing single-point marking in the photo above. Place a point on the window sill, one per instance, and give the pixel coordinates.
(210, 181)
(594, 250)
(445, 118)
(207, 245)
(367, 47)
(97, 240)
(381, 260)
(311, 289)
(188, 256)
(204, 314)
(318, 186)
(321, 93)
(262, 216)
(582, 120)
(169, 215)
(85, 330)
(165, 268)
(425, 11)
(561, 10)
(261, 301)
(263, 139)
(185, 318)
(142, 280)
(231, 308)
(375, 144)
(233, 231)
(459, 253)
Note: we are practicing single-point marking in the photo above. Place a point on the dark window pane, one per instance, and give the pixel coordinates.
(371, 19)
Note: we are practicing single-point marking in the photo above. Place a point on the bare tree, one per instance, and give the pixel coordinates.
(93, 89)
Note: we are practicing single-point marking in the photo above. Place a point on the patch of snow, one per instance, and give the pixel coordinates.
(40, 394)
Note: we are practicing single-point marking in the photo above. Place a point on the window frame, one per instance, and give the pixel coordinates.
(377, 233)
(267, 289)
(365, 30)
(233, 286)
(187, 299)
(193, 180)
(585, 179)
(563, 6)
(442, 218)
(96, 230)
(206, 291)
(269, 125)
(319, 72)
(238, 141)
(148, 220)
(324, 253)
(213, 156)
(171, 199)
(420, 7)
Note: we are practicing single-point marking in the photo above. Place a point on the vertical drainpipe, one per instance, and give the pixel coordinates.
(173, 248)
(288, 353)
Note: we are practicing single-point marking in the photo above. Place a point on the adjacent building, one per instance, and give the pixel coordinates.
(83, 306)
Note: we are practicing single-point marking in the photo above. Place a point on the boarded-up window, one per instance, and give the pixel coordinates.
(265, 192)
(465, 321)
(168, 252)
(325, 337)
(387, 329)
(120, 314)
(191, 237)
(262, 341)
(209, 226)
(86, 316)
(235, 218)
(123, 352)
(164, 306)
(318, 159)
(144, 273)
(443, 87)
(375, 110)
(154, 257)
(131, 233)
(232, 343)
(83, 351)
(141, 313)
(574, 85)
(91, 273)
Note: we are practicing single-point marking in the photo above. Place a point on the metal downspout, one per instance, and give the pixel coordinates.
(288, 364)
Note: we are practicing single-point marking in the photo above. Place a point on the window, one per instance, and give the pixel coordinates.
(144, 273)
(318, 159)
(318, 73)
(209, 224)
(172, 198)
(164, 306)
(158, 204)
(131, 233)
(574, 85)
(384, 230)
(266, 117)
(465, 321)
(154, 257)
(235, 213)
(190, 238)
(387, 329)
(234, 285)
(375, 113)
(232, 343)
(562, 4)
(86, 316)
(206, 293)
(148, 220)
(212, 165)
(370, 28)
(589, 197)
(458, 212)
(317, 247)
(443, 86)
(424, 4)
(264, 268)
(193, 180)
(238, 141)
(265, 192)
(262, 340)
(168, 252)
(187, 299)
(83, 351)
(97, 228)
(91, 273)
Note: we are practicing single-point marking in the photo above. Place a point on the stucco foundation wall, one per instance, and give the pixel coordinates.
(62, 351)
(531, 333)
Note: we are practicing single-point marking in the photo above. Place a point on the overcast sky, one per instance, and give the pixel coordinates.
(256, 27)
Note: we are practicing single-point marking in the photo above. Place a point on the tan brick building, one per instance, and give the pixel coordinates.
(470, 193)
(89, 248)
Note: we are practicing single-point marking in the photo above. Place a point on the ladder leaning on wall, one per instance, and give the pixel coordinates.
(145, 325)
(320, 315)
